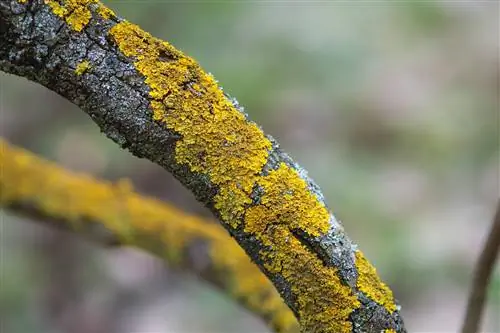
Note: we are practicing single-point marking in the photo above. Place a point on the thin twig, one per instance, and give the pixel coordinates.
(482, 274)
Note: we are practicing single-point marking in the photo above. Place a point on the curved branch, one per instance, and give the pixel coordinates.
(157, 102)
(114, 214)
(482, 275)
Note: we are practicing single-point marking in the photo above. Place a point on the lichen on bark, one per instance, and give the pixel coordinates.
(160, 104)
(115, 213)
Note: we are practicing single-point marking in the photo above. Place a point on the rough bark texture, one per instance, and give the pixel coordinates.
(114, 214)
(158, 103)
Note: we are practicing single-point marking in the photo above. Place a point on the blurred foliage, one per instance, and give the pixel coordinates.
(392, 107)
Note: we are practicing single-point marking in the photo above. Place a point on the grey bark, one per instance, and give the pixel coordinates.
(38, 45)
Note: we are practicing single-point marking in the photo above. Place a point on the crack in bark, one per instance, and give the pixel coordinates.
(115, 96)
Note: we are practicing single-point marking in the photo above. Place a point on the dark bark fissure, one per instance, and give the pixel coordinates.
(35, 44)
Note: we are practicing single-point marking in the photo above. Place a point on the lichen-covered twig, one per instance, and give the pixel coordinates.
(114, 213)
(482, 274)
(157, 102)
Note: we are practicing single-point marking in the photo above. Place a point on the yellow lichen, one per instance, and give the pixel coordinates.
(104, 11)
(286, 201)
(371, 285)
(218, 141)
(138, 221)
(390, 331)
(250, 286)
(82, 67)
(76, 13)
(288, 205)
(324, 303)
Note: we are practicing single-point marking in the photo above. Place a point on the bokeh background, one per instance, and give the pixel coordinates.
(392, 107)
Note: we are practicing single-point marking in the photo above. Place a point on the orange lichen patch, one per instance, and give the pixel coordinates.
(137, 221)
(82, 67)
(371, 285)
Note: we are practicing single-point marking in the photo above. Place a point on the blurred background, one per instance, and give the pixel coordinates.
(391, 106)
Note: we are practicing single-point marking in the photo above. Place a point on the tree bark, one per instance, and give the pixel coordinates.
(482, 275)
(158, 103)
(113, 214)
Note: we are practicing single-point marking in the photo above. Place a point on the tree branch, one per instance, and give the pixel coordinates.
(114, 214)
(155, 101)
(482, 275)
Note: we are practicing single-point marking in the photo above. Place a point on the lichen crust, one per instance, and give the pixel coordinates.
(82, 67)
(218, 141)
(78, 200)
(370, 284)
(77, 13)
